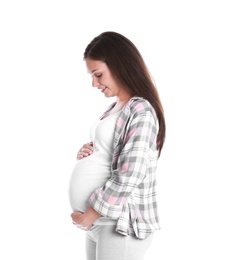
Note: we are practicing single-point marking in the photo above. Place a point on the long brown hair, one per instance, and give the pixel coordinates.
(128, 67)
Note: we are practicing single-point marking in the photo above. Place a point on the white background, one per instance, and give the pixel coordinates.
(197, 54)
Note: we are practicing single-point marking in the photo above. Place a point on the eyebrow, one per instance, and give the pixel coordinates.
(94, 70)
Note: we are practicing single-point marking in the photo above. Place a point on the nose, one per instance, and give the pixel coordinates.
(95, 82)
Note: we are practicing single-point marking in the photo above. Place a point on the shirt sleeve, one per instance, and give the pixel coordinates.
(131, 169)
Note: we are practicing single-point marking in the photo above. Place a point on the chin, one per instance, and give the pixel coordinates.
(108, 96)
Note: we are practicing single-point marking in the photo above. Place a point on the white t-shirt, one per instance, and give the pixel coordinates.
(93, 171)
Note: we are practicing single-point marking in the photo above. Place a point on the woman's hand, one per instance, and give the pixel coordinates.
(85, 151)
(85, 220)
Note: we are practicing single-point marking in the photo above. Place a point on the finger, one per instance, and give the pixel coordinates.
(82, 227)
(76, 214)
(84, 152)
(81, 155)
(87, 148)
(88, 145)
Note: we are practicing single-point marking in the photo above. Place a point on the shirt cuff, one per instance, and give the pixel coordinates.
(103, 207)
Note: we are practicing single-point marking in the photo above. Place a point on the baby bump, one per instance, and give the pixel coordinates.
(86, 177)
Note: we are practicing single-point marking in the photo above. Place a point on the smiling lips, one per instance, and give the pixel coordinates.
(104, 89)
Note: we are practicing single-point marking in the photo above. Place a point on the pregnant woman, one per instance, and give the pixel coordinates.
(113, 185)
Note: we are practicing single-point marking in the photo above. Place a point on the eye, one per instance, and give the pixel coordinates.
(98, 75)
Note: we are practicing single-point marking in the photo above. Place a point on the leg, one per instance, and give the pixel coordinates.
(113, 246)
(90, 245)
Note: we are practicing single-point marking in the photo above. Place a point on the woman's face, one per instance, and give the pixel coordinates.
(102, 78)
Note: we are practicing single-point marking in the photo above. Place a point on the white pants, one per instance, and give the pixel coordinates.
(104, 243)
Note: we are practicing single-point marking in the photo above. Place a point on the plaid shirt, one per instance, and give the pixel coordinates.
(130, 194)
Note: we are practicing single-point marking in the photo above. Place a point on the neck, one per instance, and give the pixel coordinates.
(120, 102)
(123, 99)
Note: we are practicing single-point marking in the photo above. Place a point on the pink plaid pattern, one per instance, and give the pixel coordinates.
(130, 194)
